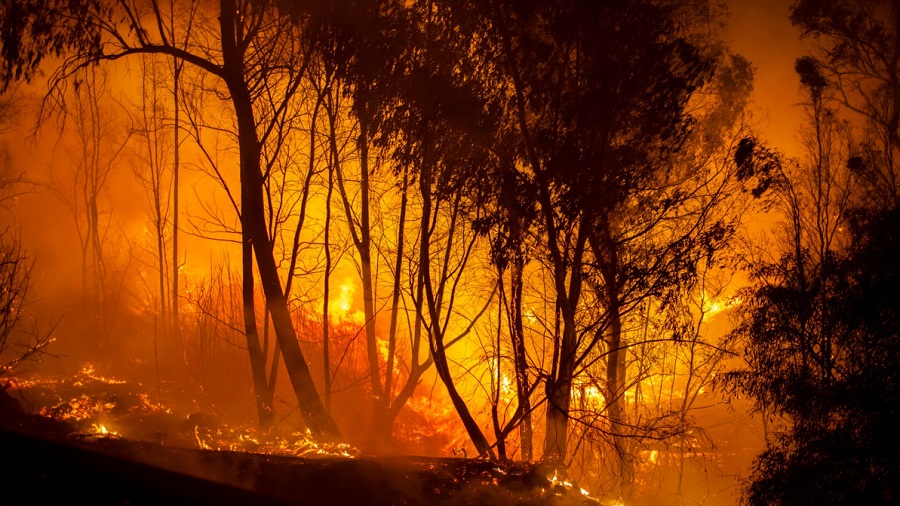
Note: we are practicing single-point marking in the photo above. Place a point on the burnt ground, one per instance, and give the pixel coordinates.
(46, 462)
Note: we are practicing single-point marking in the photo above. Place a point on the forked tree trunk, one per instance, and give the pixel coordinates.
(365, 260)
(361, 234)
(559, 384)
(559, 393)
(253, 223)
(432, 304)
(605, 250)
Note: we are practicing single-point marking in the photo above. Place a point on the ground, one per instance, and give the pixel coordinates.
(49, 462)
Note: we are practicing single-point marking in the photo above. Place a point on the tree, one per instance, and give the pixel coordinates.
(821, 351)
(819, 321)
(250, 35)
(386, 55)
(99, 144)
(362, 45)
(590, 134)
(151, 174)
(19, 342)
(858, 56)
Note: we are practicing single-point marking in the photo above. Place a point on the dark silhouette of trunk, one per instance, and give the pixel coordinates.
(360, 233)
(176, 147)
(365, 260)
(559, 391)
(385, 424)
(254, 350)
(559, 384)
(520, 362)
(253, 223)
(433, 302)
(326, 341)
(605, 250)
(295, 247)
(514, 258)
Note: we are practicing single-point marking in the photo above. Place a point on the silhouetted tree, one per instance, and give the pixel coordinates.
(823, 350)
(20, 340)
(858, 57)
(94, 153)
(254, 47)
(596, 97)
(820, 320)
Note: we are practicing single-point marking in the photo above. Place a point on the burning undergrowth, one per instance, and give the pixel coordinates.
(104, 425)
(99, 405)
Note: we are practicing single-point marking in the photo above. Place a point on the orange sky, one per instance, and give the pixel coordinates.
(761, 31)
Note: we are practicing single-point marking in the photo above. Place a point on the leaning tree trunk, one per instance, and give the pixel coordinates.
(436, 336)
(253, 223)
(254, 350)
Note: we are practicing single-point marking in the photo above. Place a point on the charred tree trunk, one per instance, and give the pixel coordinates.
(606, 253)
(253, 223)
(360, 233)
(326, 287)
(559, 392)
(433, 305)
(254, 350)
(176, 148)
(365, 260)
(559, 384)
(385, 424)
(517, 336)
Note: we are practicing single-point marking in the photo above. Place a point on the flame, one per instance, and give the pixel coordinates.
(341, 306)
(589, 394)
(529, 316)
(714, 305)
(88, 371)
(78, 409)
(558, 481)
(100, 429)
(246, 439)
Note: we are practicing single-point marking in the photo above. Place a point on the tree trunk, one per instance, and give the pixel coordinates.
(365, 261)
(433, 303)
(176, 147)
(385, 424)
(615, 390)
(326, 287)
(255, 352)
(605, 250)
(559, 393)
(517, 336)
(253, 223)
(559, 384)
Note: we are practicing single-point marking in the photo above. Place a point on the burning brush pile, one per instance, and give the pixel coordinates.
(91, 437)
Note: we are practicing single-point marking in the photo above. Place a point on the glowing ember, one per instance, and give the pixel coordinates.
(101, 430)
(151, 407)
(79, 409)
(558, 482)
(246, 439)
(89, 372)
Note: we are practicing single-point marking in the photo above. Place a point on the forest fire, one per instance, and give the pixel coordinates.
(85, 401)
(449, 251)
